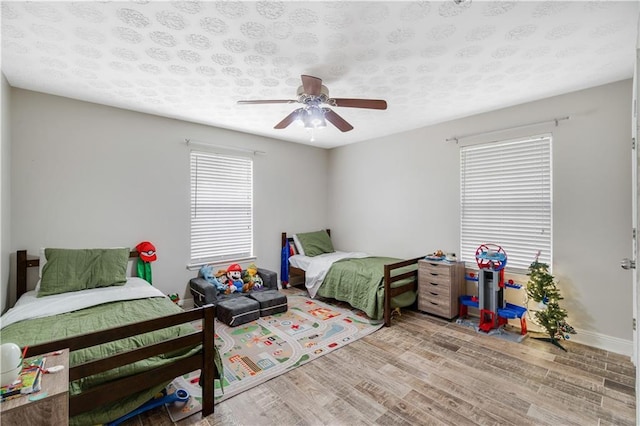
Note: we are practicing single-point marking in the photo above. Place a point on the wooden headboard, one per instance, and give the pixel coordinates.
(23, 263)
(296, 275)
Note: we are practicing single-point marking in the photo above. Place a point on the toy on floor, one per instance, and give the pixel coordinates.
(175, 298)
(180, 395)
(494, 311)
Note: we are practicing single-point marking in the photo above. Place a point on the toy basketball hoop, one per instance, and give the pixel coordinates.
(491, 256)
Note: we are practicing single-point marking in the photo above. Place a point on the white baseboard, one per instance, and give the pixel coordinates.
(602, 341)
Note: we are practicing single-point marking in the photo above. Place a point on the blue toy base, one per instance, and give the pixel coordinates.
(467, 301)
(511, 311)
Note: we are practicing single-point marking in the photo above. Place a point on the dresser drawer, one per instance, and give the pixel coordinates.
(440, 306)
(441, 269)
(434, 294)
(435, 288)
(430, 277)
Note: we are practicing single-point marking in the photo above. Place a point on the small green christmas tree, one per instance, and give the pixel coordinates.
(541, 287)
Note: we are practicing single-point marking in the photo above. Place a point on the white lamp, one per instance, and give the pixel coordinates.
(10, 363)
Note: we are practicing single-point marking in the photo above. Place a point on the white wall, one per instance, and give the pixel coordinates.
(89, 175)
(5, 185)
(399, 196)
(86, 175)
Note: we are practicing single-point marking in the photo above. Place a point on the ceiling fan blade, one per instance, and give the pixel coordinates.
(312, 85)
(269, 101)
(337, 121)
(288, 119)
(358, 103)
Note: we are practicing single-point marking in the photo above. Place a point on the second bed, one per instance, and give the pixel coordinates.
(374, 284)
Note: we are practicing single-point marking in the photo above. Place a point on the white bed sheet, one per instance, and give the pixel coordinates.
(29, 306)
(316, 267)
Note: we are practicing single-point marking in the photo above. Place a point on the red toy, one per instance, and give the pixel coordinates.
(494, 310)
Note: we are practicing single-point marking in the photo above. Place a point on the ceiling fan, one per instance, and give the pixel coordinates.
(313, 94)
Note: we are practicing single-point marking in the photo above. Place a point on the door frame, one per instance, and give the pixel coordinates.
(635, 219)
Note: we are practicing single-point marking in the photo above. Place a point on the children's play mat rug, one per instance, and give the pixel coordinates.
(260, 350)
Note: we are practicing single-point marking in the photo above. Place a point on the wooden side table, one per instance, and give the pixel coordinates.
(49, 406)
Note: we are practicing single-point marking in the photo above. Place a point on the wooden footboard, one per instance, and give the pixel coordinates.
(390, 278)
(114, 390)
(117, 389)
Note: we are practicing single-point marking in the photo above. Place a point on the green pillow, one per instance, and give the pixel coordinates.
(80, 269)
(315, 243)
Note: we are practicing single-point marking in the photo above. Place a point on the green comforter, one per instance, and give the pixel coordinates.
(40, 330)
(359, 282)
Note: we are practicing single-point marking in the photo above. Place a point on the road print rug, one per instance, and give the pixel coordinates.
(260, 350)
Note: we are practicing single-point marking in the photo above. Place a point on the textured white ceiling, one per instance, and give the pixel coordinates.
(431, 61)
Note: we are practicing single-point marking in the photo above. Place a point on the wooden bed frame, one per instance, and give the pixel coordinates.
(114, 390)
(297, 277)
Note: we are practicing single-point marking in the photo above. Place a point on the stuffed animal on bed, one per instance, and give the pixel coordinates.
(252, 280)
(206, 272)
(234, 278)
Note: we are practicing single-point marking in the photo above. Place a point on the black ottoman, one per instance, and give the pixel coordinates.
(238, 310)
(271, 302)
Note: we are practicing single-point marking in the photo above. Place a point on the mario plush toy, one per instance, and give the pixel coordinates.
(234, 278)
(147, 253)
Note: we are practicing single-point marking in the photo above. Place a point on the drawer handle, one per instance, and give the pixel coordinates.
(434, 274)
(435, 265)
(434, 284)
(433, 303)
(433, 294)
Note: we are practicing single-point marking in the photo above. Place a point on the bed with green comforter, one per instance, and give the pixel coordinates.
(40, 330)
(81, 292)
(360, 282)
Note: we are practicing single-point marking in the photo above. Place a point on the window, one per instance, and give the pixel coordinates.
(221, 207)
(505, 196)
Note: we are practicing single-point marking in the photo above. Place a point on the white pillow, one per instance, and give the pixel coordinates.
(43, 261)
(296, 241)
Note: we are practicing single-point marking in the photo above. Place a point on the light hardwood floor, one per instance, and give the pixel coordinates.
(427, 371)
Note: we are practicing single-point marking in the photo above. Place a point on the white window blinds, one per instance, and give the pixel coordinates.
(221, 207)
(506, 199)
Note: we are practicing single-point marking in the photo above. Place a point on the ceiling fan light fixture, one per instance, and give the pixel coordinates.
(313, 118)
